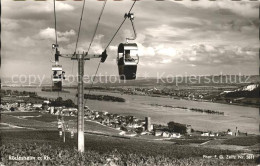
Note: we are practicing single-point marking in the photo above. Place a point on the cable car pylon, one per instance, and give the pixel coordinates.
(81, 58)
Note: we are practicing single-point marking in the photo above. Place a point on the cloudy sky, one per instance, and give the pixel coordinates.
(177, 38)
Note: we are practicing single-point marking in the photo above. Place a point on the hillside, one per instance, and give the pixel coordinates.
(249, 91)
(246, 95)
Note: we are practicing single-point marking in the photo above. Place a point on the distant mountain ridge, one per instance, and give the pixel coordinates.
(249, 91)
(144, 81)
(249, 87)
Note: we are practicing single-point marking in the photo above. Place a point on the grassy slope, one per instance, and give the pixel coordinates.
(103, 144)
(243, 141)
(48, 122)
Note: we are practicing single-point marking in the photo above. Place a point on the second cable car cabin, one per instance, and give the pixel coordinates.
(57, 76)
(127, 60)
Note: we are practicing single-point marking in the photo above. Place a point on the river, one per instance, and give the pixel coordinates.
(245, 118)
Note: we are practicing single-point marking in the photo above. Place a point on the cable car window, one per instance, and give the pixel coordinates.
(121, 59)
(120, 55)
(54, 73)
(128, 56)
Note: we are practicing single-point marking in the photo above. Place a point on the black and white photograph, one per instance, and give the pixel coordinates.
(129, 82)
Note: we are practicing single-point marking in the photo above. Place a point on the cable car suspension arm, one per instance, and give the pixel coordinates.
(119, 27)
(131, 17)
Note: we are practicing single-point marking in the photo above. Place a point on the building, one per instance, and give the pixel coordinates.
(37, 105)
(46, 101)
(188, 129)
(51, 110)
(205, 134)
(229, 133)
(175, 135)
(148, 124)
(69, 111)
(158, 133)
(165, 134)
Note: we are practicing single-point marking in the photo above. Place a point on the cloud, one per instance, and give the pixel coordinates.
(47, 7)
(35, 11)
(246, 9)
(203, 54)
(49, 33)
(145, 51)
(26, 42)
(164, 61)
(67, 33)
(10, 24)
(170, 36)
(113, 48)
(63, 7)
(170, 51)
(165, 31)
(96, 46)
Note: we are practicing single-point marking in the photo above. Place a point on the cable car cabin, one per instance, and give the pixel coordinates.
(127, 60)
(57, 76)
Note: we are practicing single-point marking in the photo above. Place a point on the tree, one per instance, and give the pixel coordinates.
(59, 99)
(69, 103)
(123, 128)
(171, 126)
(44, 106)
(139, 130)
(12, 109)
(177, 127)
(57, 102)
(37, 109)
